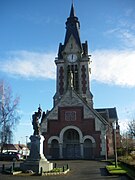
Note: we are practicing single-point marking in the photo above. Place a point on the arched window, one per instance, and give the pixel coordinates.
(88, 149)
(54, 149)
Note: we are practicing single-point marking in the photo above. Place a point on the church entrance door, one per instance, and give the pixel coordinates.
(71, 144)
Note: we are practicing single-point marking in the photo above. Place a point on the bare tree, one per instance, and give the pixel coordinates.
(8, 113)
(131, 127)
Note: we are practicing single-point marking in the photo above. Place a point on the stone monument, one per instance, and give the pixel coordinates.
(36, 161)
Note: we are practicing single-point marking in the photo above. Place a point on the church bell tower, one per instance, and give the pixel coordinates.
(73, 129)
(73, 63)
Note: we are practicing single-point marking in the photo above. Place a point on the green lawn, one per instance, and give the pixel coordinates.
(121, 169)
(113, 170)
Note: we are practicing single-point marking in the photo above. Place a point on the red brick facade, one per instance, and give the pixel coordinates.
(87, 127)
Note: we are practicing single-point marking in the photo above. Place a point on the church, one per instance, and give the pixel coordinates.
(73, 129)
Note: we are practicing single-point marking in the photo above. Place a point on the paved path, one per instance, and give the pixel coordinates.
(80, 170)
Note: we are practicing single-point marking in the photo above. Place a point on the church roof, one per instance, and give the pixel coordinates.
(112, 113)
(72, 27)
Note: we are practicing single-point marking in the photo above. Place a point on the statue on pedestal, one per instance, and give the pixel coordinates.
(35, 121)
(36, 160)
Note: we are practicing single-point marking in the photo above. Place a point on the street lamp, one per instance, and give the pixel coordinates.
(26, 146)
(115, 143)
(26, 140)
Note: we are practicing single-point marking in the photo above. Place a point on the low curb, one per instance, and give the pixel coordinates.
(56, 173)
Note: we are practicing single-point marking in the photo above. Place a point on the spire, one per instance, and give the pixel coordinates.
(73, 27)
(72, 12)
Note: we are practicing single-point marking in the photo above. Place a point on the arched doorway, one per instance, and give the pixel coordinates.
(54, 149)
(71, 144)
(88, 149)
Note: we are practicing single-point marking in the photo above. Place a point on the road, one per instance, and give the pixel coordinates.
(80, 170)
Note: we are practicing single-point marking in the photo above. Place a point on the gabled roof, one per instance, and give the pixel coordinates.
(12, 147)
(93, 110)
(9, 147)
(69, 102)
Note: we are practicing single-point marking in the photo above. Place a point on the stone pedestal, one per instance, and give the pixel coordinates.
(36, 160)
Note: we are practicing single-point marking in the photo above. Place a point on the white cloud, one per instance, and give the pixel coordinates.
(124, 125)
(126, 115)
(29, 64)
(126, 37)
(122, 29)
(130, 38)
(108, 66)
(114, 67)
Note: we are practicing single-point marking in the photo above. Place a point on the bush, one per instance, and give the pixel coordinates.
(121, 151)
(133, 155)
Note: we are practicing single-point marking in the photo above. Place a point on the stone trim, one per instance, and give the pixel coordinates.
(52, 138)
(89, 137)
(70, 127)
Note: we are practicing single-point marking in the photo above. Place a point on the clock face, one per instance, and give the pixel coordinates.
(72, 57)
